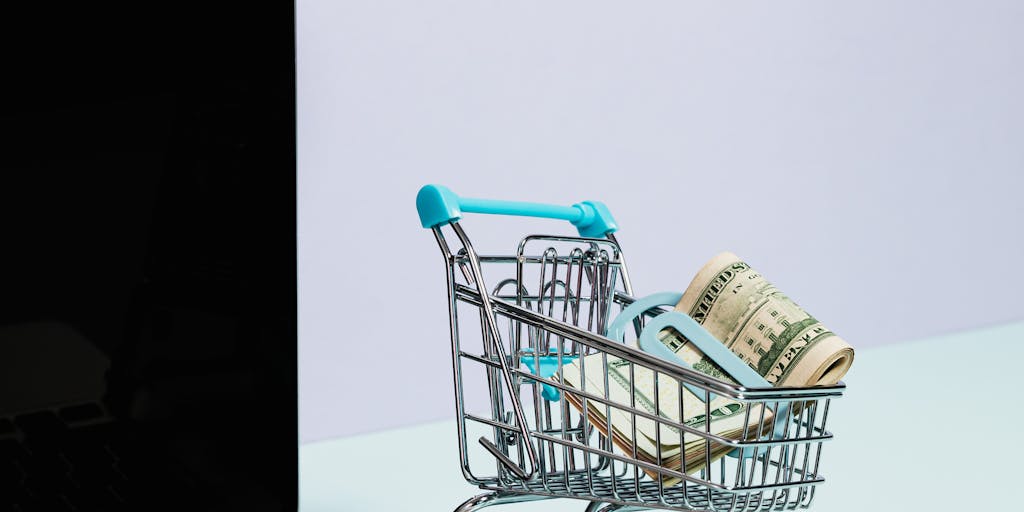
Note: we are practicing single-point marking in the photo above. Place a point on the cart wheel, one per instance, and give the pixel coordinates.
(595, 506)
(477, 502)
(496, 498)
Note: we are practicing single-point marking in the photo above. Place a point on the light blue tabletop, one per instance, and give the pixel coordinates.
(924, 425)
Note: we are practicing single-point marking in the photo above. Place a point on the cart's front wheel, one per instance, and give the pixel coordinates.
(496, 498)
(600, 506)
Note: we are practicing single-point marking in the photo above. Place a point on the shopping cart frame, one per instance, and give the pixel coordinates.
(613, 478)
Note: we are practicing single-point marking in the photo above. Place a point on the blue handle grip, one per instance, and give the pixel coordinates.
(437, 205)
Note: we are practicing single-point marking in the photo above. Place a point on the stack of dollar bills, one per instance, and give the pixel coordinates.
(757, 322)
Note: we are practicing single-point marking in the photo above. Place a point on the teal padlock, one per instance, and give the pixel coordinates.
(694, 333)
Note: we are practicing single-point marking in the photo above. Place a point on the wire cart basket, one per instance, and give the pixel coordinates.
(521, 324)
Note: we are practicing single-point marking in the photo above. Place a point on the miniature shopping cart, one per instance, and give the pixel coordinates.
(522, 324)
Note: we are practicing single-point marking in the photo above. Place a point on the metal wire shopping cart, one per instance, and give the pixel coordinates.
(546, 315)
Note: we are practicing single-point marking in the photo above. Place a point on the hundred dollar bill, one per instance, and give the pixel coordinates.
(668, 445)
(761, 325)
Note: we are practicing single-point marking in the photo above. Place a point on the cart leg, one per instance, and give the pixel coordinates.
(496, 498)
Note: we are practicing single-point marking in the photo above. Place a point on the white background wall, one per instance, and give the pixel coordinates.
(868, 157)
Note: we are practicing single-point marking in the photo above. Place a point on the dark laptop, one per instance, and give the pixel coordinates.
(147, 277)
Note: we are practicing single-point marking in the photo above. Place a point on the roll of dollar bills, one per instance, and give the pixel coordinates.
(761, 325)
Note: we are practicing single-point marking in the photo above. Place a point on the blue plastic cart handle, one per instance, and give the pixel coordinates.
(437, 205)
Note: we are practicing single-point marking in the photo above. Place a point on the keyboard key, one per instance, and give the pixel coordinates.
(11, 473)
(86, 448)
(17, 496)
(88, 458)
(11, 449)
(81, 412)
(41, 424)
(6, 427)
(50, 502)
(100, 433)
(45, 473)
(93, 497)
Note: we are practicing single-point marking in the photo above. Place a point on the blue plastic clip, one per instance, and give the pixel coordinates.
(548, 366)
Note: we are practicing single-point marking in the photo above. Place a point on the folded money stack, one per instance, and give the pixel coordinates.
(757, 322)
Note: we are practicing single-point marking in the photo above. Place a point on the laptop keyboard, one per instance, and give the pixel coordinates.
(65, 460)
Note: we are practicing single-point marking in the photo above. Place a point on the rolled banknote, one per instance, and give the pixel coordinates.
(637, 435)
(761, 325)
(770, 332)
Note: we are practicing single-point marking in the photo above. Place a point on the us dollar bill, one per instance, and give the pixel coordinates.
(757, 322)
(627, 387)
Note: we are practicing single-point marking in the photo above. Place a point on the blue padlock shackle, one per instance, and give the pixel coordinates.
(696, 334)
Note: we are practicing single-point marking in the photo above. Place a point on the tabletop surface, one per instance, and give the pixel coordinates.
(923, 425)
